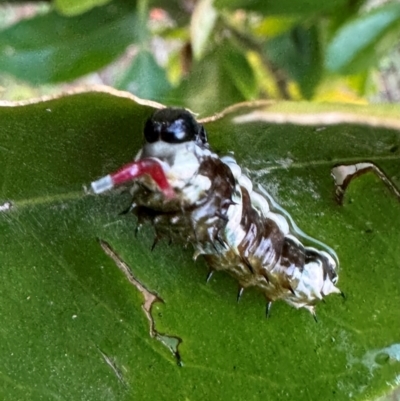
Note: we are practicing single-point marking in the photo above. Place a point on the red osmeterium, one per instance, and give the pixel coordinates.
(135, 170)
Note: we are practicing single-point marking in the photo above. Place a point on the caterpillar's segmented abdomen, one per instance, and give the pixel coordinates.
(265, 253)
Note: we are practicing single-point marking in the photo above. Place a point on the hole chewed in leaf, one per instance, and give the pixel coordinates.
(171, 342)
(343, 174)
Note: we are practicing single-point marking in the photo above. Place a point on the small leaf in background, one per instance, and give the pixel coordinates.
(202, 23)
(145, 78)
(54, 48)
(239, 71)
(357, 45)
(297, 53)
(269, 7)
(274, 26)
(75, 7)
(208, 87)
(266, 80)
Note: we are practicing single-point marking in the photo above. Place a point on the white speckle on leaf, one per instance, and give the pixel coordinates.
(5, 206)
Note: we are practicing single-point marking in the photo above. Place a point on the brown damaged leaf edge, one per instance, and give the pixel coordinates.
(343, 174)
(310, 114)
(283, 112)
(171, 342)
(81, 90)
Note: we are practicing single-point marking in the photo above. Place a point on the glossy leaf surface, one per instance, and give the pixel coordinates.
(356, 45)
(72, 324)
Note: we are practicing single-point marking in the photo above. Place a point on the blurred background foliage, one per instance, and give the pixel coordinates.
(203, 54)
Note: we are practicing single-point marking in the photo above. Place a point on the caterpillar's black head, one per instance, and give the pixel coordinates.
(173, 125)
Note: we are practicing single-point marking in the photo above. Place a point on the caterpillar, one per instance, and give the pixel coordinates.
(192, 195)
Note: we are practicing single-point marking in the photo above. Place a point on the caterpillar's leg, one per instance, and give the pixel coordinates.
(138, 228)
(311, 309)
(141, 219)
(128, 210)
(268, 309)
(209, 275)
(240, 293)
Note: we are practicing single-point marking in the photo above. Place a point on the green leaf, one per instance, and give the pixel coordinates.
(75, 7)
(269, 7)
(297, 52)
(72, 324)
(145, 78)
(53, 48)
(359, 43)
(216, 81)
(239, 71)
